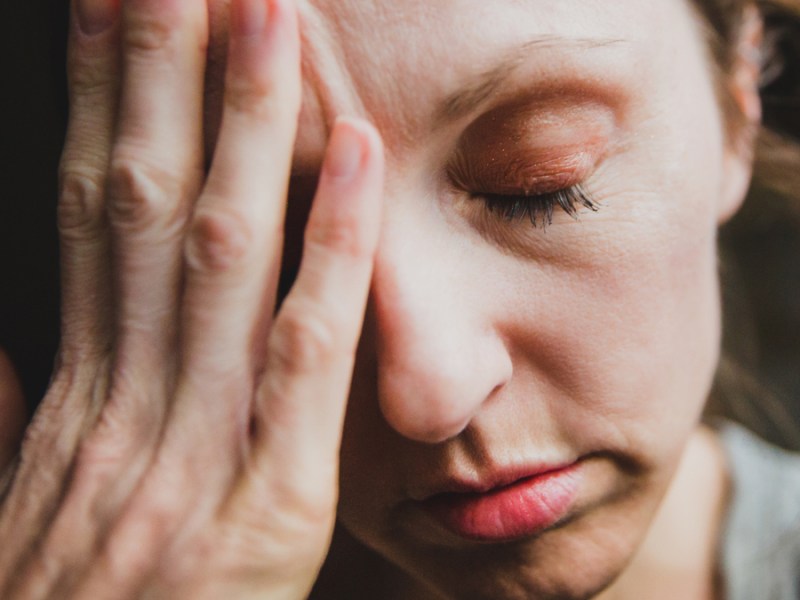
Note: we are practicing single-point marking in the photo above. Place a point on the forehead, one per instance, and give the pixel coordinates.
(400, 63)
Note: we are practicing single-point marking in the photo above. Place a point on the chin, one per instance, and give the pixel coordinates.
(577, 559)
(493, 575)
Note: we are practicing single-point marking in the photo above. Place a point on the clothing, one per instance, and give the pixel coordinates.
(760, 546)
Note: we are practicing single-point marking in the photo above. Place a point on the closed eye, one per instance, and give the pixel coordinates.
(539, 209)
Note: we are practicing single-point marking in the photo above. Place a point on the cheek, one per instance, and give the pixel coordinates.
(635, 328)
(621, 341)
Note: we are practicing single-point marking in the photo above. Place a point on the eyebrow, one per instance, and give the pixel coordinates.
(477, 91)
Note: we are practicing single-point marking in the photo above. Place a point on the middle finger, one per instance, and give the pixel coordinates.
(155, 172)
(233, 251)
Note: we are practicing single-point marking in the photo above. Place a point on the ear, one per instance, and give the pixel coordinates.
(743, 89)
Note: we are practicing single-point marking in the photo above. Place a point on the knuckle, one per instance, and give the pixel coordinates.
(89, 76)
(141, 195)
(149, 34)
(301, 341)
(81, 206)
(164, 29)
(258, 99)
(342, 237)
(217, 241)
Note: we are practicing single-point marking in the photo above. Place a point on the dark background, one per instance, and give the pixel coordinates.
(761, 261)
(33, 112)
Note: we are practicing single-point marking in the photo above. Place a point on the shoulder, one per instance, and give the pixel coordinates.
(760, 546)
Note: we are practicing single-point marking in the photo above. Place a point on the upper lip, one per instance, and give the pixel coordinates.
(487, 480)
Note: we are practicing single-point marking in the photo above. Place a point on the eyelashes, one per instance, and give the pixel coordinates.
(538, 209)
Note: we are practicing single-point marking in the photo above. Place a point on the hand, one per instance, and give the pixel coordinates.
(188, 444)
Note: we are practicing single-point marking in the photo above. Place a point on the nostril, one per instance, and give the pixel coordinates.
(424, 425)
(431, 387)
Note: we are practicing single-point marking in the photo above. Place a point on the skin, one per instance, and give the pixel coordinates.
(164, 461)
(489, 344)
(486, 342)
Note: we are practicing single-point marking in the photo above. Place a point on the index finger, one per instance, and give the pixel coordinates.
(300, 404)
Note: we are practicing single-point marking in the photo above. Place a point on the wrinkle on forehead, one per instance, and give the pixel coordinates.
(476, 92)
(402, 59)
(395, 61)
(382, 54)
(328, 89)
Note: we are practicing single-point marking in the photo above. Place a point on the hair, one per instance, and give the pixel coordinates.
(760, 322)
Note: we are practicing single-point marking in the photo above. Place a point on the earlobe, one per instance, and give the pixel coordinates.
(743, 126)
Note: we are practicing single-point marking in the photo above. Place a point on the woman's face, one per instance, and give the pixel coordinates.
(494, 349)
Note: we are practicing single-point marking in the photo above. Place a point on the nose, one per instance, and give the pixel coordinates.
(439, 360)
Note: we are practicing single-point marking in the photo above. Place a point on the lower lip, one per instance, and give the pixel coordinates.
(522, 509)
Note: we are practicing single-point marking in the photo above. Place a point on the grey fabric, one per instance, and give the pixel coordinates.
(760, 546)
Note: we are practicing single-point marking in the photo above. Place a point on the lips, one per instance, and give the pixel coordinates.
(525, 506)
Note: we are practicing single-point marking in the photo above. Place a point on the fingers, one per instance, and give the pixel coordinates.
(126, 505)
(51, 439)
(301, 402)
(234, 244)
(154, 175)
(232, 255)
(155, 171)
(133, 164)
(93, 75)
(235, 239)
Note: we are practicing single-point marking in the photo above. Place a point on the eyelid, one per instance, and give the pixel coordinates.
(520, 174)
(528, 146)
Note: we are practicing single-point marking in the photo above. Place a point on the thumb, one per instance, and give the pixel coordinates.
(13, 413)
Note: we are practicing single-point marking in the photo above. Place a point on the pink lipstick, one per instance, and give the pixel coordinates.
(525, 506)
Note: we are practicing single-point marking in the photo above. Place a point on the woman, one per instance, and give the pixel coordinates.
(532, 256)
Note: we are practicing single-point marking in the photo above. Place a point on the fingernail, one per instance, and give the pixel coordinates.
(345, 152)
(95, 16)
(249, 16)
